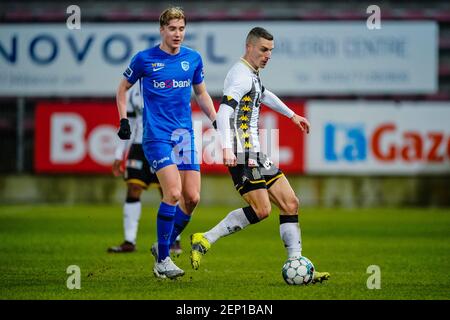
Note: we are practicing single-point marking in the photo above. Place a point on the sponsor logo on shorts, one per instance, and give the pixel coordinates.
(267, 164)
(156, 162)
(256, 174)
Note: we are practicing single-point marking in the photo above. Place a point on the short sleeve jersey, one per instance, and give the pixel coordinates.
(166, 84)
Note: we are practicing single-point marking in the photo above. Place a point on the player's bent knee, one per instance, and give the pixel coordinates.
(172, 196)
(263, 211)
(252, 215)
(292, 206)
(192, 200)
(134, 190)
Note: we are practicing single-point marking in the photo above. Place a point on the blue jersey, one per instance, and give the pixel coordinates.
(166, 82)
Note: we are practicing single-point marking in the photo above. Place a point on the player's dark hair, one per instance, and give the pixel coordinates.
(257, 33)
(171, 13)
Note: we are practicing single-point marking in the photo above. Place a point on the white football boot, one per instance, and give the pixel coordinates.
(167, 269)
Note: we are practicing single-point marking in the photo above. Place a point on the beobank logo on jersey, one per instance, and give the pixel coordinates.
(172, 83)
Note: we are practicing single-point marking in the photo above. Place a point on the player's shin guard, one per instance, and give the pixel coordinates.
(290, 234)
(181, 220)
(164, 226)
(236, 220)
(131, 215)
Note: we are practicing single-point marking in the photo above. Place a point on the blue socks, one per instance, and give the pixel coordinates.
(180, 222)
(164, 227)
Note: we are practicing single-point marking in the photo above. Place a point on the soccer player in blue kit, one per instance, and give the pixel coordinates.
(167, 73)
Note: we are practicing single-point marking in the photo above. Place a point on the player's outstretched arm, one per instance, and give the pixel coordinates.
(301, 122)
(273, 102)
(204, 101)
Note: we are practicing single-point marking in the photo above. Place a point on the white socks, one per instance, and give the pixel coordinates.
(237, 220)
(131, 215)
(233, 222)
(291, 236)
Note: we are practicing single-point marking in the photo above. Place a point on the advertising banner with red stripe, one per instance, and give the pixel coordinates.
(75, 137)
(80, 137)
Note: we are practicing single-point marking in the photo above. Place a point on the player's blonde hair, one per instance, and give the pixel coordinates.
(171, 13)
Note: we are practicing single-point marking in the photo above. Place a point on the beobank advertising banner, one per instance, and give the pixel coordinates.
(80, 137)
(366, 137)
(75, 137)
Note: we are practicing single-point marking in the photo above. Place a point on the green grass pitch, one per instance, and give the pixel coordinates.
(410, 246)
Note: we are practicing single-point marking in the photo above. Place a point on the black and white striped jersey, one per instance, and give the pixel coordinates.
(242, 91)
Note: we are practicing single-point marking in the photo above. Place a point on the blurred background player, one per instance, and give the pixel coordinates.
(167, 73)
(255, 177)
(137, 175)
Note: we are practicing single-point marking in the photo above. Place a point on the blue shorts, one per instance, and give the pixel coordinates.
(162, 153)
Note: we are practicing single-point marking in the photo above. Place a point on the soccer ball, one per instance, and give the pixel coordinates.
(298, 271)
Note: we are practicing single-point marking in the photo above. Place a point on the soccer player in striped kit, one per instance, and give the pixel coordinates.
(255, 177)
